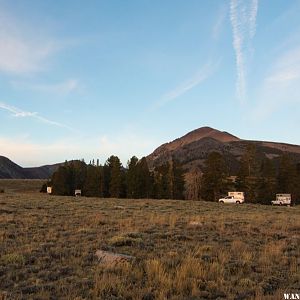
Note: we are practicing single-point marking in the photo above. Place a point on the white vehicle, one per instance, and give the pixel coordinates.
(282, 199)
(233, 197)
(77, 193)
(49, 189)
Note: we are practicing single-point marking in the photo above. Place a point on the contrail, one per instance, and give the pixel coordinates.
(243, 22)
(17, 112)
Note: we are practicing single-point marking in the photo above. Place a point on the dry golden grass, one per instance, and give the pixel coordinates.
(21, 185)
(48, 245)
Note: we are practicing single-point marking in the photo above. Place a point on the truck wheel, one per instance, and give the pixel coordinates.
(280, 203)
(221, 201)
(238, 202)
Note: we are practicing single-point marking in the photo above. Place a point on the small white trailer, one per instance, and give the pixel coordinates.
(233, 197)
(77, 193)
(282, 199)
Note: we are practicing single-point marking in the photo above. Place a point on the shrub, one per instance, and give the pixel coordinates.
(43, 188)
(125, 240)
(13, 259)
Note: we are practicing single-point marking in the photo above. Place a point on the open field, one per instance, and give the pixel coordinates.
(21, 185)
(183, 249)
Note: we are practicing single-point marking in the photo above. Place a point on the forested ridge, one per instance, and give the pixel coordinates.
(260, 178)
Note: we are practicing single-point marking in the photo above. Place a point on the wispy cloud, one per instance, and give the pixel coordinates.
(23, 49)
(19, 113)
(243, 21)
(61, 88)
(281, 86)
(16, 112)
(205, 72)
(219, 23)
(252, 18)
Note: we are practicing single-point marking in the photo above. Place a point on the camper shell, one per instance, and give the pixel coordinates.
(282, 199)
(233, 197)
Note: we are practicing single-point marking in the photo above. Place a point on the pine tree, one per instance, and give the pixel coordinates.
(43, 188)
(164, 181)
(241, 182)
(61, 181)
(106, 170)
(248, 173)
(287, 179)
(116, 177)
(168, 181)
(92, 185)
(157, 192)
(78, 174)
(214, 179)
(144, 179)
(178, 181)
(132, 179)
(266, 184)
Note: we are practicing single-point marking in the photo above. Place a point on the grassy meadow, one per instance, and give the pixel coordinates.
(21, 185)
(183, 249)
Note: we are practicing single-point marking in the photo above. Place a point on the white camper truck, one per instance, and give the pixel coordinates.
(233, 197)
(282, 199)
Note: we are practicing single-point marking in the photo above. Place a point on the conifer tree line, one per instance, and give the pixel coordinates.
(259, 177)
(114, 181)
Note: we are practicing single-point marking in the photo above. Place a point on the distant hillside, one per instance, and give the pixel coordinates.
(193, 148)
(10, 170)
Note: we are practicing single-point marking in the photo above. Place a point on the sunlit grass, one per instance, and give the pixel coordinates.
(183, 249)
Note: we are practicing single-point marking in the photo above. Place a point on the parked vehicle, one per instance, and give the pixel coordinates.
(77, 193)
(233, 197)
(282, 199)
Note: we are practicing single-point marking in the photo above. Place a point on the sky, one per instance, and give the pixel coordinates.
(90, 79)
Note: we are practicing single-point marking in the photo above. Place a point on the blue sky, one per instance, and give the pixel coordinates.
(87, 79)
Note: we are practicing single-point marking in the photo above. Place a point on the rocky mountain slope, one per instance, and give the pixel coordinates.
(193, 148)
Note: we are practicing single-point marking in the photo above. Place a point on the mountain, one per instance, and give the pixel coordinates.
(10, 170)
(193, 148)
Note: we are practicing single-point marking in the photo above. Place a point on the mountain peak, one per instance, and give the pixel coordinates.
(210, 132)
(193, 148)
(199, 134)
